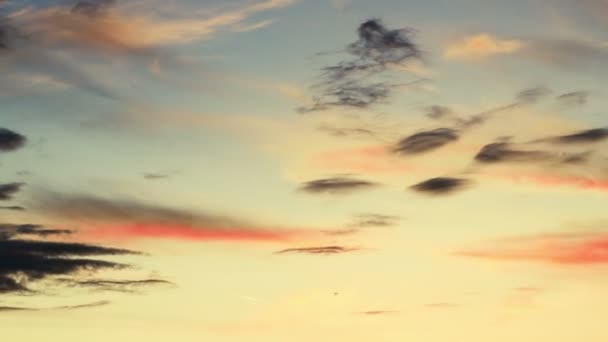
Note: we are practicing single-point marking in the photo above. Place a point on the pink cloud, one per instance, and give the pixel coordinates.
(563, 249)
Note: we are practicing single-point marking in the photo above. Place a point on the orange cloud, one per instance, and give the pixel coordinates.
(119, 29)
(481, 46)
(562, 248)
(183, 232)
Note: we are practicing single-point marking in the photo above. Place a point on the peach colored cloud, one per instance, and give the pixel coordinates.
(480, 46)
(580, 248)
(553, 181)
(121, 30)
(129, 231)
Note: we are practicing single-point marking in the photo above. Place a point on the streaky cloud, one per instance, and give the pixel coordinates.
(336, 185)
(441, 185)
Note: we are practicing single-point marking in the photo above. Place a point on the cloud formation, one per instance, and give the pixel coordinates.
(575, 98)
(8, 190)
(481, 46)
(440, 185)
(357, 82)
(579, 248)
(336, 185)
(10, 140)
(23, 262)
(324, 250)
(583, 137)
(426, 141)
(103, 218)
(504, 152)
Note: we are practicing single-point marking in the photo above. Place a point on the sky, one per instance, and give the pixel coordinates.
(297, 170)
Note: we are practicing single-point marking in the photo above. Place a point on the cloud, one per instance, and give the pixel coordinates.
(575, 98)
(77, 45)
(23, 262)
(374, 220)
(336, 185)
(503, 152)
(154, 176)
(440, 185)
(8, 190)
(11, 141)
(583, 137)
(426, 141)
(92, 8)
(65, 307)
(325, 250)
(8, 231)
(437, 112)
(354, 82)
(578, 248)
(13, 208)
(532, 95)
(481, 46)
(376, 312)
(568, 54)
(102, 218)
(128, 286)
(557, 181)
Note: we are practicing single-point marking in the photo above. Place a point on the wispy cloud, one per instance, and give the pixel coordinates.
(7, 191)
(579, 248)
(357, 82)
(324, 250)
(426, 141)
(336, 185)
(480, 46)
(103, 218)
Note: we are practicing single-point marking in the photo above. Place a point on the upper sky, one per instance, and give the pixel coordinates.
(284, 170)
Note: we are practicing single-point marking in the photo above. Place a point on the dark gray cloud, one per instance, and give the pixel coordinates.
(336, 185)
(504, 152)
(23, 262)
(575, 98)
(10, 141)
(8, 190)
(127, 286)
(8, 231)
(92, 8)
(355, 82)
(325, 250)
(153, 176)
(344, 132)
(532, 95)
(341, 232)
(441, 185)
(374, 220)
(583, 137)
(13, 208)
(437, 112)
(426, 141)
(65, 307)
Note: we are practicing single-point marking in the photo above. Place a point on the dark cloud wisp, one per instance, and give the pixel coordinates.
(441, 185)
(358, 82)
(337, 185)
(426, 141)
(324, 250)
(9, 140)
(8, 190)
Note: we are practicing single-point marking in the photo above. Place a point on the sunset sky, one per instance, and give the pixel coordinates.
(303, 170)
